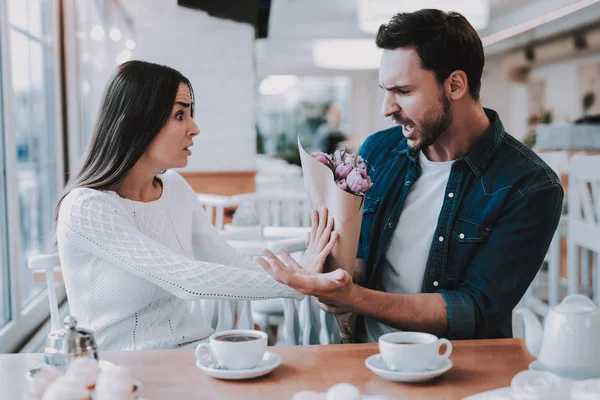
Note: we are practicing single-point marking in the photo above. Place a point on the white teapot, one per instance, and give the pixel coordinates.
(569, 343)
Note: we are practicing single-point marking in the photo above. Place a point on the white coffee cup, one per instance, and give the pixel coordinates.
(412, 351)
(227, 350)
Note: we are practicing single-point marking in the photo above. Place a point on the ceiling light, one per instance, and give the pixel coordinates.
(373, 13)
(276, 84)
(346, 54)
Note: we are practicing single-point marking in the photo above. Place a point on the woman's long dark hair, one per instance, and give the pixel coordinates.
(136, 106)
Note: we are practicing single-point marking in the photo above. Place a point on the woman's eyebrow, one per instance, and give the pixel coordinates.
(186, 105)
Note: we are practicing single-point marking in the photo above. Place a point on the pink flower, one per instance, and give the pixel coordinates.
(342, 171)
(337, 158)
(323, 158)
(342, 184)
(348, 158)
(360, 164)
(358, 181)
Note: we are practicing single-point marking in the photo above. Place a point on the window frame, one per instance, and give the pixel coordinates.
(25, 320)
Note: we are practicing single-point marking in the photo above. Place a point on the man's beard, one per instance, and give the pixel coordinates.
(430, 129)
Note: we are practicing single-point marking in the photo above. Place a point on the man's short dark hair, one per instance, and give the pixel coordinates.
(445, 42)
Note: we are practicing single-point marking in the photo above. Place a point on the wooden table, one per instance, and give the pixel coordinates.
(171, 374)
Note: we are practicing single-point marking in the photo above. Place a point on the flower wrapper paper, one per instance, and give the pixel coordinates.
(346, 210)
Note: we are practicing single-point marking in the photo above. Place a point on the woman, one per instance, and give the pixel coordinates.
(133, 240)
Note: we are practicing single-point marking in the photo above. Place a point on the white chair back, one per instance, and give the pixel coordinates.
(278, 208)
(546, 283)
(584, 225)
(48, 263)
(215, 206)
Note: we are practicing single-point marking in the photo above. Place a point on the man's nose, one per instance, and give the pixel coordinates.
(389, 105)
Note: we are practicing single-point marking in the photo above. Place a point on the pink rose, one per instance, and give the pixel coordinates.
(323, 158)
(342, 171)
(358, 181)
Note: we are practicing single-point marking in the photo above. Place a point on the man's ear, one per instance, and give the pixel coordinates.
(457, 85)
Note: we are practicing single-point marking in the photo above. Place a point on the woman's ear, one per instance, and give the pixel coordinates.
(457, 85)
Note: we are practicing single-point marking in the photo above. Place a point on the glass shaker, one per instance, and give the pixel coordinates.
(64, 345)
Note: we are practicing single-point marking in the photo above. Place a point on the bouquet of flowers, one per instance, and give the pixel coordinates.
(349, 171)
(338, 182)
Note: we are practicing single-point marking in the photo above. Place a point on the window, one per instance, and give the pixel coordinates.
(31, 159)
(4, 277)
(98, 37)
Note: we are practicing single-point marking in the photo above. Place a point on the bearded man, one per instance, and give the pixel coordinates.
(461, 214)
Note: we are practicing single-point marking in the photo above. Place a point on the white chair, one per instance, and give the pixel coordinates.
(547, 283)
(50, 264)
(584, 226)
(278, 208)
(215, 206)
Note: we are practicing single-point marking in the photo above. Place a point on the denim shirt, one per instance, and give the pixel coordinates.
(501, 207)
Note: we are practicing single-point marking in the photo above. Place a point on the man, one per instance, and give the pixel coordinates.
(461, 214)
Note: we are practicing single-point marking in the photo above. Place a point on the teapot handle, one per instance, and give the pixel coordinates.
(579, 299)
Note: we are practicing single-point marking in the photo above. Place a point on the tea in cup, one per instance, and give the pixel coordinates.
(413, 351)
(233, 349)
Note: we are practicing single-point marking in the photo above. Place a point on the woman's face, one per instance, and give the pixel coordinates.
(171, 147)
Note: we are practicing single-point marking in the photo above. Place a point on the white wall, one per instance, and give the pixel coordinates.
(561, 94)
(367, 98)
(506, 97)
(217, 56)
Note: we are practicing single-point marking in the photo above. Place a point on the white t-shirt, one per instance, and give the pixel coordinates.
(404, 263)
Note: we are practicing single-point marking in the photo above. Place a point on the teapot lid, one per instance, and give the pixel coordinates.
(576, 303)
(71, 340)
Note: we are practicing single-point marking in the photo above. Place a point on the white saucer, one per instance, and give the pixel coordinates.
(269, 362)
(538, 366)
(375, 363)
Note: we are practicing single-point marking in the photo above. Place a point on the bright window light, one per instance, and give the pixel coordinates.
(276, 84)
(97, 33)
(115, 34)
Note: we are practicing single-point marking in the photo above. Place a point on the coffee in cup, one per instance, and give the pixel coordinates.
(413, 351)
(233, 349)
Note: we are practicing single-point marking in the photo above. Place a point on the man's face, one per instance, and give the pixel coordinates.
(414, 98)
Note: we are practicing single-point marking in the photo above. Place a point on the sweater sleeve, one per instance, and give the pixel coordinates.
(93, 222)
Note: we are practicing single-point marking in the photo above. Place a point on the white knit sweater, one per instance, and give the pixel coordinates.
(130, 266)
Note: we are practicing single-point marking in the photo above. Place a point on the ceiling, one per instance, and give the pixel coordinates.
(295, 24)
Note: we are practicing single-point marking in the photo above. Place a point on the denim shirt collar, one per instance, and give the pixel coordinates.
(480, 154)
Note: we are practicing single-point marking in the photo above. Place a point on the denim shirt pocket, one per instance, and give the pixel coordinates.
(467, 231)
(368, 221)
(467, 237)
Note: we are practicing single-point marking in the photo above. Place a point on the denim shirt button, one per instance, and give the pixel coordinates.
(407, 183)
(441, 238)
(462, 236)
(451, 195)
(435, 283)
